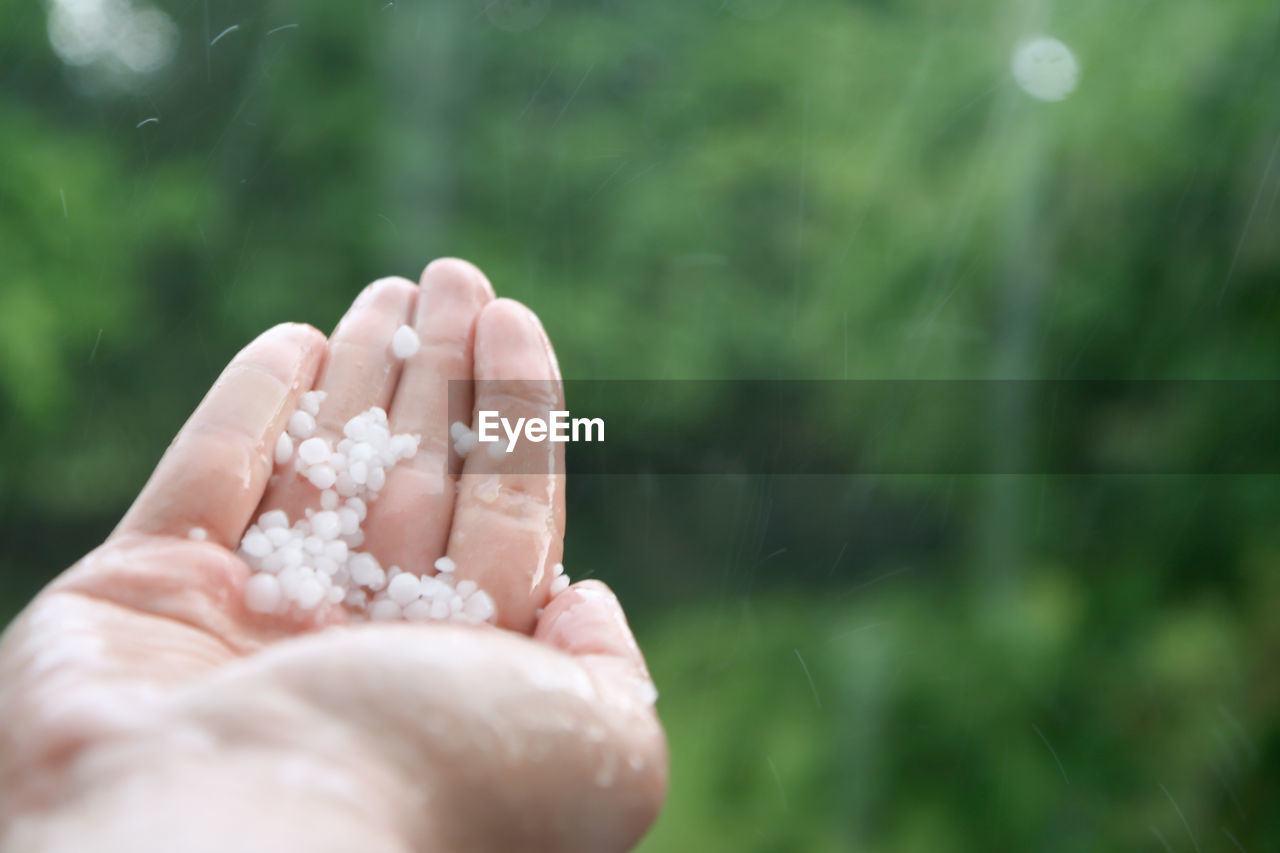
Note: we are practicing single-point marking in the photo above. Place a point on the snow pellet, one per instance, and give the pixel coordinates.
(310, 402)
(284, 448)
(349, 520)
(309, 593)
(464, 444)
(321, 476)
(199, 534)
(313, 451)
(417, 611)
(262, 593)
(403, 589)
(301, 425)
(384, 611)
(559, 585)
(326, 525)
(479, 606)
(278, 536)
(256, 544)
(275, 518)
(446, 564)
(404, 343)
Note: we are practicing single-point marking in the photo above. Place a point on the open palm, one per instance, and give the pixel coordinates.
(143, 705)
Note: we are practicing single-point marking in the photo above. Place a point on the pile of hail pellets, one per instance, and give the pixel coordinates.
(314, 559)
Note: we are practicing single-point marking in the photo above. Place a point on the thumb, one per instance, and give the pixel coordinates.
(587, 622)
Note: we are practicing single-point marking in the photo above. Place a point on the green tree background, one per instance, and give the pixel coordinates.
(790, 189)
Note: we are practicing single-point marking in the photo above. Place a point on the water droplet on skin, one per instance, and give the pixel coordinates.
(608, 770)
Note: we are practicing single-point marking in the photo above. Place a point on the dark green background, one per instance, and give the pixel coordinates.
(763, 189)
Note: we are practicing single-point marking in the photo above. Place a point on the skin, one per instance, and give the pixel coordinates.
(143, 707)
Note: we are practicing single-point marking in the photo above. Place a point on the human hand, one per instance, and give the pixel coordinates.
(143, 706)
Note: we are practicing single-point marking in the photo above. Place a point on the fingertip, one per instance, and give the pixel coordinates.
(587, 618)
(389, 293)
(457, 268)
(303, 335)
(510, 341)
(507, 313)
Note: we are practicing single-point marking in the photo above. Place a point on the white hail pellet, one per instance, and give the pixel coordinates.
(467, 587)
(464, 444)
(349, 521)
(313, 451)
(446, 565)
(560, 584)
(403, 588)
(480, 606)
(365, 570)
(199, 534)
(557, 570)
(458, 429)
(404, 343)
(274, 518)
(284, 448)
(310, 402)
(329, 499)
(404, 446)
(433, 588)
(277, 536)
(417, 611)
(301, 425)
(385, 610)
(262, 593)
(309, 593)
(345, 486)
(1045, 68)
(256, 544)
(321, 476)
(498, 449)
(326, 525)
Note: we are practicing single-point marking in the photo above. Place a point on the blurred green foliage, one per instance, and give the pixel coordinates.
(738, 189)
